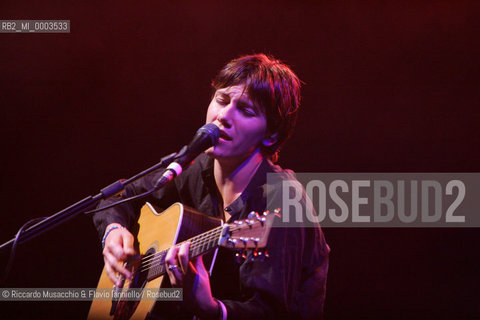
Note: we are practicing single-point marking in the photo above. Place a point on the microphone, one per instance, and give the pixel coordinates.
(205, 137)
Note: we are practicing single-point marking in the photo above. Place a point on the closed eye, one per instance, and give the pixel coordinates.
(249, 112)
(222, 98)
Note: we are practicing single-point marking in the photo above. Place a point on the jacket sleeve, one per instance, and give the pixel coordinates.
(127, 213)
(291, 283)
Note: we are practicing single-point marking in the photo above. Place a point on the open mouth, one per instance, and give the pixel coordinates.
(224, 136)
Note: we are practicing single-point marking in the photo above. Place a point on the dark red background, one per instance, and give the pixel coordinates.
(389, 87)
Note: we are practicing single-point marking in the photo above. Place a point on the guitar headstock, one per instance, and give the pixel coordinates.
(251, 233)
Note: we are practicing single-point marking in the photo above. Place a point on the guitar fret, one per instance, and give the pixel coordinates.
(203, 242)
(203, 245)
(155, 264)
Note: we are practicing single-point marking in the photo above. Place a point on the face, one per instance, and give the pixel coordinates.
(243, 125)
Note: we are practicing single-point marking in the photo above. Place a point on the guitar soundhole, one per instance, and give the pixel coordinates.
(126, 308)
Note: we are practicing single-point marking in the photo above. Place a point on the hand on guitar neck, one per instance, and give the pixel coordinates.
(193, 277)
(118, 248)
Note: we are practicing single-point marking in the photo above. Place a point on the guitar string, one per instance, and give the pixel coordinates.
(210, 233)
(159, 259)
(198, 242)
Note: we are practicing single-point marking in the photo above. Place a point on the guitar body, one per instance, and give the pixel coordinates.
(157, 232)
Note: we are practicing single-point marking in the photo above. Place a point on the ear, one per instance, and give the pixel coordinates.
(270, 140)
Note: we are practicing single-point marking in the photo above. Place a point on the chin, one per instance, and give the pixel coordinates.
(209, 151)
(210, 154)
(215, 152)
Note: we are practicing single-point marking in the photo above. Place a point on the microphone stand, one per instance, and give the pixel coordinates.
(82, 206)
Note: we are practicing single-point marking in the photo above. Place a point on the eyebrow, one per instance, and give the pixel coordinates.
(243, 102)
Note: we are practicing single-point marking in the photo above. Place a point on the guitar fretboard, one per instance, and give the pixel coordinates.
(154, 264)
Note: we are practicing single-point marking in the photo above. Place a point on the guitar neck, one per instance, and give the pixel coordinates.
(204, 242)
(155, 264)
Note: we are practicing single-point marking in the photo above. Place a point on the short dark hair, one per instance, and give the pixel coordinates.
(272, 86)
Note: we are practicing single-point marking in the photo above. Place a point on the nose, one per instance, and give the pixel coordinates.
(225, 116)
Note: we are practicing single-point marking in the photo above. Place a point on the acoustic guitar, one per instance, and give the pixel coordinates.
(156, 234)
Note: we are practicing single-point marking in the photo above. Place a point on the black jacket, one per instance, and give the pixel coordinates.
(289, 284)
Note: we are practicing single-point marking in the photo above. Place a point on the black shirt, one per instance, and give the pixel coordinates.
(289, 284)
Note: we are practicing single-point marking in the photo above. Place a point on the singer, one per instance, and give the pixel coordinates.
(255, 103)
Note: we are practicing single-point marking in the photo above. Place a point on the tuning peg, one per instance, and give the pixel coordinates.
(277, 212)
(253, 215)
(249, 222)
(259, 255)
(238, 258)
(232, 242)
(244, 240)
(241, 256)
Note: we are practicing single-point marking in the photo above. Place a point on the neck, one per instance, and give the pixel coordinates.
(232, 178)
